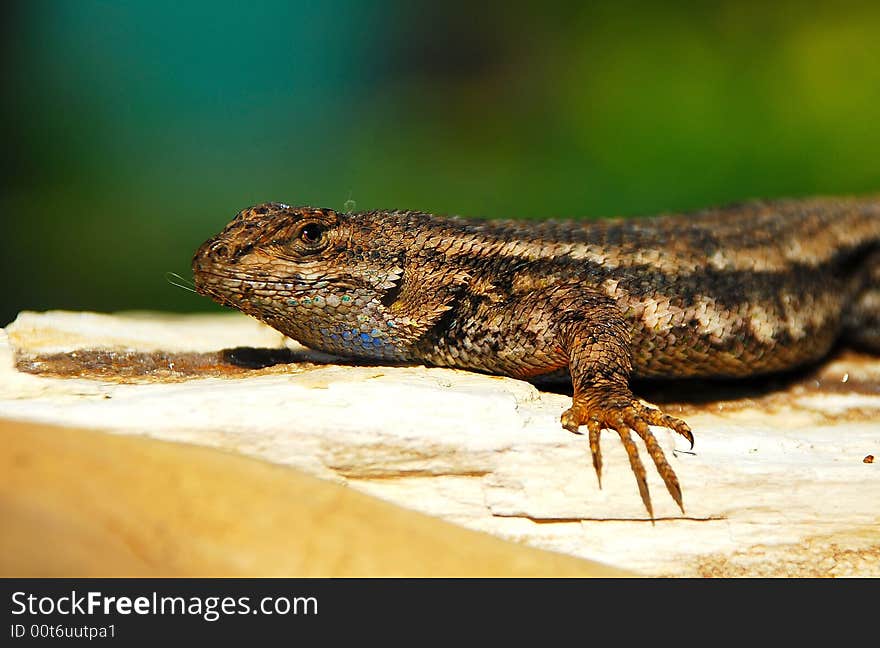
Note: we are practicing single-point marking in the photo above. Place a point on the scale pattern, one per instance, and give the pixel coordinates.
(725, 292)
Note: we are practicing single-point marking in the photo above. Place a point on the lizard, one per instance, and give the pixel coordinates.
(725, 292)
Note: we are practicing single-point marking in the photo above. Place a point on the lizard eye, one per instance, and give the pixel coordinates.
(312, 233)
(309, 236)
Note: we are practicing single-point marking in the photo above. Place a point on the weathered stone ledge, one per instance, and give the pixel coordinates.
(777, 482)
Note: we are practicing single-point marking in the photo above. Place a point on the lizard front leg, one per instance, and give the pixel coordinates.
(594, 335)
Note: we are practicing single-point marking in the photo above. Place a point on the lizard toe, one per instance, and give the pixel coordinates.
(625, 419)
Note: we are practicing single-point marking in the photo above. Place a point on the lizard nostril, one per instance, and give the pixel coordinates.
(220, 251)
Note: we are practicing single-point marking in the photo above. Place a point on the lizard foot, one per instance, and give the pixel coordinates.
(624, 416)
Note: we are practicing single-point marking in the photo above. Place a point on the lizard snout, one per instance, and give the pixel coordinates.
(211, 255)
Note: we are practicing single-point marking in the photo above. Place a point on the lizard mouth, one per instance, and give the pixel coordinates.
(212, 286)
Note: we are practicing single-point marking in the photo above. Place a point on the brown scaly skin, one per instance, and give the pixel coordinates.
(737, 291)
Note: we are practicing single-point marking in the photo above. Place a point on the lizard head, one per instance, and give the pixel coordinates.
(312, 273)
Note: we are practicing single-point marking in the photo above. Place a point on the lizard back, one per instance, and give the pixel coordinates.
(734, 291)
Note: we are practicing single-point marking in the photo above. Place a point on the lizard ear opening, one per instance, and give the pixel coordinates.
(392, 293)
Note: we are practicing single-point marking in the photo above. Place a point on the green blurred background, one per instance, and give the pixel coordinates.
(133, 131)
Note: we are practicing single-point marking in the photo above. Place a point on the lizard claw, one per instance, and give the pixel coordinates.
(656, 417)
(623, 419)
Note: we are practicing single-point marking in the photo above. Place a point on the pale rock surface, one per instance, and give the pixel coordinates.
(777, 483)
